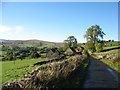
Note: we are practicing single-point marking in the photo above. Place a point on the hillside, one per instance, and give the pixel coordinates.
(33, 42)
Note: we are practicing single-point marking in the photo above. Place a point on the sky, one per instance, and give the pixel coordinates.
(55, 21)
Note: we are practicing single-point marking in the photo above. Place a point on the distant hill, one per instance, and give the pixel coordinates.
(33, 42)
(4, 40)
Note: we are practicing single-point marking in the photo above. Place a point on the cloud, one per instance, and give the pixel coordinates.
(19, 28)
(5, 28)
(7, 31)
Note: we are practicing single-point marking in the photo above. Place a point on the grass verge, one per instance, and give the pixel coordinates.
(110, 63)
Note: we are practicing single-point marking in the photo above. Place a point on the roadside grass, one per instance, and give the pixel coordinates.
(112, 65)
(10, 70)
(115, 66)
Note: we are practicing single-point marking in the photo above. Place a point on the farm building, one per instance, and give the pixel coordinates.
(69, 52)
(53, 53)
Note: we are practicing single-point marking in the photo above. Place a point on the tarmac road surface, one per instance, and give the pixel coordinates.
(99, 75)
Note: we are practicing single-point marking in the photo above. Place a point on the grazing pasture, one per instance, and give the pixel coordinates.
(115, 52)
(110, 47)
(11, 70)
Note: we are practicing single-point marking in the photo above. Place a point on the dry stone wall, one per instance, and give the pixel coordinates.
(39, 78)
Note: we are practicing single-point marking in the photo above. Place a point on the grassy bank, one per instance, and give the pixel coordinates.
(11, 72)
(111, 63)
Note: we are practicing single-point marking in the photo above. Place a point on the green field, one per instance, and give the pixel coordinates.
(10, 69)
(116, 43)
(116, 51)
(110, 47)
(26, 45)
(3, 52)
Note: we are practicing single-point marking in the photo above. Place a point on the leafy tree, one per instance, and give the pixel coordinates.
(94, 34)
(34, 54)
(71, 41)
(112, 40)
(21, 56)
(9, 55)
(109, 40)
(5, 47)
